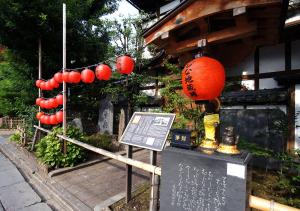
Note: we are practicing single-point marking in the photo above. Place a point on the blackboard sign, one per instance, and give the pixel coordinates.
(196, 181)
(148, 130)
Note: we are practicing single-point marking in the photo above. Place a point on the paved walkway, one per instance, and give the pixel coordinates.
(95, 184)
(15, 192)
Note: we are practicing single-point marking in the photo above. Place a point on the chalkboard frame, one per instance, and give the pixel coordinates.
(172, 118)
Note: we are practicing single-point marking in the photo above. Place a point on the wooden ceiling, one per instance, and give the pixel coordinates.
(228, 26)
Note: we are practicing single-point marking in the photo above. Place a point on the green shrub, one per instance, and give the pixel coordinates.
(103, 141)
(15, 138)
(49, 149)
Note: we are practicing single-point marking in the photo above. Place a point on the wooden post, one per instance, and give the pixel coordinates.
(256, 69)
(64, 83)
(154, 181)
(11, 123)
(36, 132)
(128, 174)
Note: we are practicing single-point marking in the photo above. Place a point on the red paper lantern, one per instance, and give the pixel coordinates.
(42, 85)
(46, 104)
(38, 83)
(74, 77)
(38, 101)
(48, 86)
(125, 64)
(52, 119)
(39, 115)
(53, 83)
(42, 103)
(87, 76)
(65, 77)
(59, 116)
(203, 78)
(52, 103)
(58, 77)
(59, 99)
(42, 119)
(47, 119)
(103, 72)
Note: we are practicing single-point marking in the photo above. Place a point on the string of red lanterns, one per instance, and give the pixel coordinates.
(124, 65)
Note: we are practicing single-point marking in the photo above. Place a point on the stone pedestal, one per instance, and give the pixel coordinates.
(196, 181)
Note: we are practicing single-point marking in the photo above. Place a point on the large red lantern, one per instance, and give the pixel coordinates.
(59, 116)
(42, 103)
(39, 115)
(74, 77)
(87, 76)
(38, 83)
(38, 101)
(103, 72)
(46, 104)
(58, 77)
(125, 64)
(59, 99)
(52, 119)
(53, 83)
(203, 78)
(65, 77)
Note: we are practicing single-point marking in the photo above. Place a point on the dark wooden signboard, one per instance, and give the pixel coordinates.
(148, 130)
(193, 181)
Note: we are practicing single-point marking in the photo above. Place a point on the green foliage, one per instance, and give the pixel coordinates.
(255, 149)
(15, 138)
(49, 149)
(103, 141)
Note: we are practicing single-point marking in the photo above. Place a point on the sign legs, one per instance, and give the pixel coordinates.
(128, 175)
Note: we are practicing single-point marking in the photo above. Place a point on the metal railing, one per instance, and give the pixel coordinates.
(254, 202)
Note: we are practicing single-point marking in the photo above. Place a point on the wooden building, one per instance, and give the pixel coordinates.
(258, 42)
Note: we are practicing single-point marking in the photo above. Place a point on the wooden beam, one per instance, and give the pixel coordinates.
(197, 10)
(264, 75)
(225, 35)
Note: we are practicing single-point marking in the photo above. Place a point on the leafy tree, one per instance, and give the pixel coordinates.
(23, 23)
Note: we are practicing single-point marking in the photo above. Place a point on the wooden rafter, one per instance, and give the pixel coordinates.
(225, 35)
(196, 10)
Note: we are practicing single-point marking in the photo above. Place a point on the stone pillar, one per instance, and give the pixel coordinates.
(106, 116)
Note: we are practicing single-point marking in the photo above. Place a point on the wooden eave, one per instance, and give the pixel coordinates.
(184, 26)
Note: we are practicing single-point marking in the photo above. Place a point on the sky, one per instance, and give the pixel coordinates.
(125, 9)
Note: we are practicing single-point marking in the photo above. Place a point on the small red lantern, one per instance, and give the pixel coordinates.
(52, 119)
(59, 116)
(48, 86)
(74, 77)
(38, 101)
(59, 99)
(52, 103)
(203, 78)
(39, 115)
(38, 83)
(125, 64)
(46, 104)
(47, 119)
(42, 103)
(65, 77)
(103, 72)
(42, 85)
(87, 76)
(53, 83)
(58, 77)
(42, 120)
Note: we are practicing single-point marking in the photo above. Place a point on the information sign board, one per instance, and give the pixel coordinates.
(148, 130)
